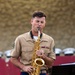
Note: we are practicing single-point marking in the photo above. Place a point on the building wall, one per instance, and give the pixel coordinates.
(15, 18)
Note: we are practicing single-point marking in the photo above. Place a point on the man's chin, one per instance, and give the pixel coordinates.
(36, 31)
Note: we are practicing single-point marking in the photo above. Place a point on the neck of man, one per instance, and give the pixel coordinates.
(35, 32)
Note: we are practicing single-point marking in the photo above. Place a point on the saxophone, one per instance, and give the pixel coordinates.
(37, 62)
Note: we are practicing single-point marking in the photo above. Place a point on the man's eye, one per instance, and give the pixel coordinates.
(37, 21)
(42, 22)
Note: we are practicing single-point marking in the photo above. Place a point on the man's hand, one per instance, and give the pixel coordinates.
(27, 69)
(40, 53)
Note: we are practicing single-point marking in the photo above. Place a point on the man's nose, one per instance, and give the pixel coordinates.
(39, 24)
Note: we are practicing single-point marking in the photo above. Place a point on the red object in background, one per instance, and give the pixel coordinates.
(2, 67)
(7, 68)
(12, 70)
(64, 60)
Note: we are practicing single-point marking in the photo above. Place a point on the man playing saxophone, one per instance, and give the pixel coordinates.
(25, 44)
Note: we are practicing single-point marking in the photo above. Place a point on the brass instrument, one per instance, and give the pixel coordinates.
(37, 62)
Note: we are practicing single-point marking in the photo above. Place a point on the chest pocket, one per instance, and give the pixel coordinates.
(27, 53)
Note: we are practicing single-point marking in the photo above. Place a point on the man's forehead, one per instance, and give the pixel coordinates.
(39, 18)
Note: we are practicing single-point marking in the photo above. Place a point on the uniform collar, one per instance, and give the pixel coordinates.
(29, 37)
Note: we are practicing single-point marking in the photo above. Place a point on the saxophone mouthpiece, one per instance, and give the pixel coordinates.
(38, 28)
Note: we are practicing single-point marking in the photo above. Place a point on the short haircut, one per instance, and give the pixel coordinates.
(38, 14)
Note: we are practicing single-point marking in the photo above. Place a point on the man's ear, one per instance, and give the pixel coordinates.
(31, 21)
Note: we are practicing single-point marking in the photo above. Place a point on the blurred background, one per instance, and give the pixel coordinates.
(15, 18)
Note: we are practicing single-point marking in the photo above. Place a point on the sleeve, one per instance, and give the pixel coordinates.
(17, 48)
(52, 53)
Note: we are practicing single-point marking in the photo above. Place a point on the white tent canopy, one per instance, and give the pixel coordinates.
(7, 53)
(69, 50)
(1, 54)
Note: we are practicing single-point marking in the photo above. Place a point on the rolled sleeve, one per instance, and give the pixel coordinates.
(52, 53)
(17, 48)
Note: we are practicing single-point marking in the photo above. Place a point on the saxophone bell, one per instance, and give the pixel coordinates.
(39, 62)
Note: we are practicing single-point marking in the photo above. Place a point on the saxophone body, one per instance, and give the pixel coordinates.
(37, 62)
